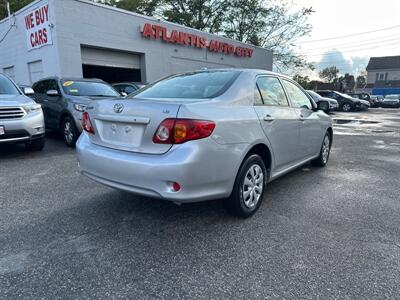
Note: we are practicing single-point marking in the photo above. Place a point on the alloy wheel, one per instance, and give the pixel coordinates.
(68, 132)
(326, 149)
(253, 186)
(346, 107)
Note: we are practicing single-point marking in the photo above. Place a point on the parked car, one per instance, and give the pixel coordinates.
(64, 100)
(391, 101)
(346, 103)
(127, 87)
(205, 135)
(364, 96)
(21, 119)
(378, 99)
(333, 104)
(27, 90)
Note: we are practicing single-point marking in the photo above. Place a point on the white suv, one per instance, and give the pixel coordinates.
(21, 118)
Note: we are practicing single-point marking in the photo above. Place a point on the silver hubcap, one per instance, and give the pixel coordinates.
(253, 186)
(325, 149)
(68, 133)
(346, 107)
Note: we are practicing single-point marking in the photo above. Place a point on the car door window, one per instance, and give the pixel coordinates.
(298, 98)
(39, 87)
(271, 90)
(52, 85)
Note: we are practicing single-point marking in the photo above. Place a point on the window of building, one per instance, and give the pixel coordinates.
(35, 70)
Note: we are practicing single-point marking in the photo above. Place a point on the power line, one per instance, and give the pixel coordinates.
(350, 35)
(354, 45)
(355, 50)
(5, 35)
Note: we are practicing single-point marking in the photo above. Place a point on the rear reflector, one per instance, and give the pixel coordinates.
(86, 123)
(178, 131)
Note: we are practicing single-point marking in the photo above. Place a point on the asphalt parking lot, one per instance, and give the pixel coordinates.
(331, 233)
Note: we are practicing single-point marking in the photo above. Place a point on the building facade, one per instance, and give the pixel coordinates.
(384, 75)
(80, 38)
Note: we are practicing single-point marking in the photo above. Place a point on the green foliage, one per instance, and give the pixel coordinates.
(329, 74)
(270, 24)
(15, 5)
(361, 81)
(304, 81)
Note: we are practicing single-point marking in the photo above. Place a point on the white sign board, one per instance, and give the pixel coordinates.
(37, 25)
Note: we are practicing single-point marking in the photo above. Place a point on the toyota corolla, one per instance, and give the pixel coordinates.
(211, 134)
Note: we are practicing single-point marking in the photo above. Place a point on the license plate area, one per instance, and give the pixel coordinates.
(2, 130)
(121, 133)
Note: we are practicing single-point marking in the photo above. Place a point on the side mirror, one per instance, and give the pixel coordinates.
(28, 91)
(323, 105)
(52, 93)
(123, 94)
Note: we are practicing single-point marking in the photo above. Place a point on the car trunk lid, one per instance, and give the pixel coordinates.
(129, 124)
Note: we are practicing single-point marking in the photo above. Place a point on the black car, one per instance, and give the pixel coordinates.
(365, 96)
(346, 103)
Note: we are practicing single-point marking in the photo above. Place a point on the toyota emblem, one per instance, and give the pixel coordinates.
(118, 108)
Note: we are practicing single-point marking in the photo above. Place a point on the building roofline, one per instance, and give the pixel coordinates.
(148, 18)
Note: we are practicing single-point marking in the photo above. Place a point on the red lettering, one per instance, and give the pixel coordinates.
(183, 38)
(166, 38)
(148, 31)
(203, 43)
(174, 37)
(46, 11)
(157, 31)
(32, 39)
(45, 36)
(29, 21)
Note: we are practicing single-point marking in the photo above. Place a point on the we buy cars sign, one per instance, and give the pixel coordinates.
(37, 25)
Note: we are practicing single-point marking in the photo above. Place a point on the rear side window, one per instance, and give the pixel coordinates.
(298, 98)
(195, 85)
(271, 91)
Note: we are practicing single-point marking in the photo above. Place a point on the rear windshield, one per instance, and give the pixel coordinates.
(88, 88)
(7, 87)
(195, 85)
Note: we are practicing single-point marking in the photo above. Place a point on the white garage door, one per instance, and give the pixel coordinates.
(109, 58)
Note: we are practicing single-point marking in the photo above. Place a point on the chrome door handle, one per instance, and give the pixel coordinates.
(268, 118)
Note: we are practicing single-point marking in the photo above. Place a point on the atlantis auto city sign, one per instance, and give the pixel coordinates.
(157, 32)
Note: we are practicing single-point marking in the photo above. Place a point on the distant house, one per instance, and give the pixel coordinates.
(384, 75)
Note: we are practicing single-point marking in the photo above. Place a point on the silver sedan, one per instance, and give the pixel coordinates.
(205, 135)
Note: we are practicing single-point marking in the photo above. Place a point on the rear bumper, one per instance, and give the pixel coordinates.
(23, 130)
(204, 169)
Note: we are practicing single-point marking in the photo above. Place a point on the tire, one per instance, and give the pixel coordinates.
(324, 153)
(69, 131)
(249, 188)
(346, 107)
(36, 145)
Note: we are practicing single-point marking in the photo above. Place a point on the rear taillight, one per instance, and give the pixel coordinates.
(178, 131)
(86, 123)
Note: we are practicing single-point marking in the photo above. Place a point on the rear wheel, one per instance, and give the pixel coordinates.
(70, 133)
(346, 107)
(324, 154)
(36, 145)
(248, 191)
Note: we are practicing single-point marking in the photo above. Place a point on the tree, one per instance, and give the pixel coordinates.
(15, 5)
(361, 81)
(304, 81)
(269, 24)
(145, 7)
(272, 25)
(349, 82)
(329, 74)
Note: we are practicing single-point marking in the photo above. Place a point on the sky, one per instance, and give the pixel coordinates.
(334, 18)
